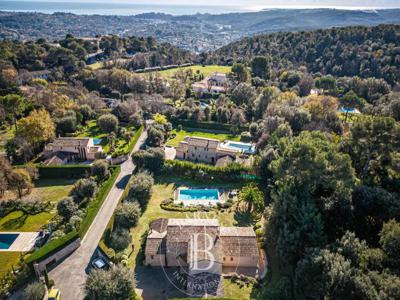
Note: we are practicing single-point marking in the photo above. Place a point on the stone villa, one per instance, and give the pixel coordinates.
(205, 150)
(216, 83)
(202, 246)
(66, 149)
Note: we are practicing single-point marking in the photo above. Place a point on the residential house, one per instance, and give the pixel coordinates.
(205, 150)
(216, 83)
(66, 149)
(201, 246)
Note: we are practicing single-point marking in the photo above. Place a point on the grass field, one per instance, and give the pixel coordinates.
(206, 70)
(181, 134)
(7, 260)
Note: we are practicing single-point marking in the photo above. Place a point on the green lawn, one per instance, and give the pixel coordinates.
(51, 190)
(7, 260)
(181, 134)
(92, 130)
(206, 70)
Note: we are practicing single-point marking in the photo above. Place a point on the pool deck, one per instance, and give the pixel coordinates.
(24, 242)
(195, 202)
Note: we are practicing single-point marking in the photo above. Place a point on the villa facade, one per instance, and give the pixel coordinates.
(216, 83)
(205, 150)
(201, 246)
(65, 149)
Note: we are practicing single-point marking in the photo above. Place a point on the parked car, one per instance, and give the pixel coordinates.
(54, 294)
(99, 263)
(42, 238)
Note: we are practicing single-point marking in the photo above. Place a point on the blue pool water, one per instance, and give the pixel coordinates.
(97, 141)
(244, 147)
(199, 194)
(350, 110)
(6, 239)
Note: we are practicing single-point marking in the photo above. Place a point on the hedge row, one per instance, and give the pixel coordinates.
(91, 213)
(233, 171)
(206, 125)
(52, 247)
(97, 202)
(134, 139)
(65, 171)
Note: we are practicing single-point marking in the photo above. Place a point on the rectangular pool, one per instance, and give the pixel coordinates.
(241, 147)
(6, 239)
(198, 194)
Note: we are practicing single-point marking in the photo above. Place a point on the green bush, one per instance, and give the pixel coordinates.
(207, 125)
(52, 247)
(34, 291)
(235, 172)
(67, 171)
(95, 205)
(134, 139)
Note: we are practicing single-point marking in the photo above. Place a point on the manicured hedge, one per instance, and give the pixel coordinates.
(96, 203)
(52, 247)
(195, 170)
(65, 171)
(134, 140)
(206, 125)
(91, 213)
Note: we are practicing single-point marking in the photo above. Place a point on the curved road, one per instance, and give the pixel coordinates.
(70, 275)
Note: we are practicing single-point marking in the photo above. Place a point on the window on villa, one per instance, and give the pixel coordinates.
(152, 257)
(231, 258)
(224, 258)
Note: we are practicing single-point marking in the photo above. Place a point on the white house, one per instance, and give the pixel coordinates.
(216, 83)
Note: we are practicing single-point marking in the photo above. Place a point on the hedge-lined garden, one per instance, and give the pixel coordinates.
(91, 212)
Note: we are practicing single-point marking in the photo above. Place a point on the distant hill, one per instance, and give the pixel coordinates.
(347, 51)
(199, 33)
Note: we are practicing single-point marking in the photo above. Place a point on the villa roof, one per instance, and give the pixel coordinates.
(239, 246)
(202, 142)
(224, 161)
(237, 231)
(193, 222)
(155, 246)
(74, 141)
(203, 248)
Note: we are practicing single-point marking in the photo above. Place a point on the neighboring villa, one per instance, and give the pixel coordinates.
(211, 151)
(216, 84)
(67, 149)
(201, 247)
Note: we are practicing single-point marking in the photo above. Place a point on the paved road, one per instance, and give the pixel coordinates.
(70, 275)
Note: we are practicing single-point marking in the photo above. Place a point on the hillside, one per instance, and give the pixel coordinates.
(200, 32)
(348, 51)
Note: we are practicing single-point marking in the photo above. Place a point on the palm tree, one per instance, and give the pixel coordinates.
(252, 197)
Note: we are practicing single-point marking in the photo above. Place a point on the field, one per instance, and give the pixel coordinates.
(181, 134)
(206, 70)
(51, 190)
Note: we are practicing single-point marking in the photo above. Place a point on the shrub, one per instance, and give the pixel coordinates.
(136, 120)
(116, 283)
(151, 159)
(155, 136)
(108, 123)
(127, 214)
(86, 112)
(83, 189)
(100, 170)
(140, 187)
(66, 124)
(120, 239)
(66, 208)
(34, 291)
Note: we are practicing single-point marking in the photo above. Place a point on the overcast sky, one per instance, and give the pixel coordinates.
(255, 3)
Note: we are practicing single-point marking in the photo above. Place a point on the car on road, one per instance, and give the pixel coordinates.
(54, 294)
(99, 263)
